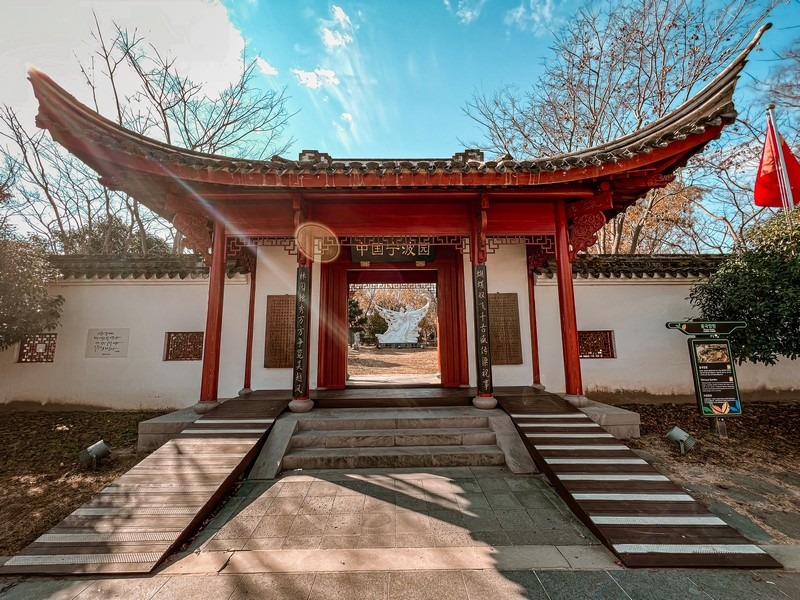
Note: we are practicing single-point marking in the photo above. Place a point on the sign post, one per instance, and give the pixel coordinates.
(713, 372)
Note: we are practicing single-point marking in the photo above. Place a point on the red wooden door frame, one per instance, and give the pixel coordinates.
(334, 292)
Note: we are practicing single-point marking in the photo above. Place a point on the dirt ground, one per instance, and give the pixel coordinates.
(41, 481)
(410, 361)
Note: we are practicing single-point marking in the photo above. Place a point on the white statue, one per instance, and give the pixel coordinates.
(403, 325)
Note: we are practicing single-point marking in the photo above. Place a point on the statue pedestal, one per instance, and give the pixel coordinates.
(397, 345)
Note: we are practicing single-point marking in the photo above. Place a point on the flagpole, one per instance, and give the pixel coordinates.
(783, 177)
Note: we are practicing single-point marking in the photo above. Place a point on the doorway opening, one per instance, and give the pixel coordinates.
(393, 334)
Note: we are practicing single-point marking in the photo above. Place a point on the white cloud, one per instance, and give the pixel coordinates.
(345, 131)
(539, 16)
(317, 78)
(340, 16)
(466, 10)
(335, 39)
(50, 39)
(336, 32)
(265, 67)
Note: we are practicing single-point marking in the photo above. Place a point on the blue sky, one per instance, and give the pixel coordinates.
(370, 78)
(389, 79)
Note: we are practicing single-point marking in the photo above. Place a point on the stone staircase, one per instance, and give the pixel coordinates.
(389, 438)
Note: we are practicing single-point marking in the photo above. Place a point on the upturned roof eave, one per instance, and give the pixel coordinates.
(96, 139)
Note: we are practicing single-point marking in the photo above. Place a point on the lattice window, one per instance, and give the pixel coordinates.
(38, 348)
(184, 345)
(596, 344)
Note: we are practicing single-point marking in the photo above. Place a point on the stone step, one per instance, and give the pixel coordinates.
(361, 424)
(395, 456)
(359, 438)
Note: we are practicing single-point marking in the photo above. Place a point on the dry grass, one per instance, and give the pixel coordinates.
(41, 481)
(760, 455)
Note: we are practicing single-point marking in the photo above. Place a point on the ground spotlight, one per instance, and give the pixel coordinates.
(91, 456)
(684, 441)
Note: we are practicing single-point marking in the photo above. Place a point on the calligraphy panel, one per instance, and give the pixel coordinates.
(107, 343)
(506, 345)
(279, 349)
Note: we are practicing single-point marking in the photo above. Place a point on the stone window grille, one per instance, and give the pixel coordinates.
(184, 345)
(596, 344)
(38, 348)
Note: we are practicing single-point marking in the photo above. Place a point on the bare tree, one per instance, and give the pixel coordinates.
(611, 72)
(60, 199)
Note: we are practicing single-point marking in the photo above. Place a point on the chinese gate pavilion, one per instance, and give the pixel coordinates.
(328, 212)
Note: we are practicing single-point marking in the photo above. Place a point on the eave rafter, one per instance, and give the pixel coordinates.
(187, 187)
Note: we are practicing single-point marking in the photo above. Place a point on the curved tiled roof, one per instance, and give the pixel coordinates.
(594, 266)
(89, 266)
(712, 106)
(192, 266)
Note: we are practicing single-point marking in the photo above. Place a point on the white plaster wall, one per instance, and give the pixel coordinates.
(506, 272)
(650, 357)
(143, 379)
(276, 274)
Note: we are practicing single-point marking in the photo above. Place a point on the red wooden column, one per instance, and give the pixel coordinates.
(566, 304)
(301, 400)
(533, 262)
(480, 291)
(209, 385)
(248, 354)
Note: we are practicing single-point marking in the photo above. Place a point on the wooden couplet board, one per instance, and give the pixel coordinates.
(279, 348)
(506, 345)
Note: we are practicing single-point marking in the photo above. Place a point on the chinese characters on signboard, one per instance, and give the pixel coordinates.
(107, 343)
(482, 329)
(714, 377)
(400, 252)
(300, 376)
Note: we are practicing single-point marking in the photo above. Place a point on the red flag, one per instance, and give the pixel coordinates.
(767, 191)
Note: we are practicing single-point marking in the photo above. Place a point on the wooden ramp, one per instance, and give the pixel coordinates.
(644, 518)
(141, 518)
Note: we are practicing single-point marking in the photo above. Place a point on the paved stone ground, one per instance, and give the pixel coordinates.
(454, 533)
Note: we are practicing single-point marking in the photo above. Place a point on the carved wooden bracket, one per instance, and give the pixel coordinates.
(587, 219)
(190, 222)
(194, 228)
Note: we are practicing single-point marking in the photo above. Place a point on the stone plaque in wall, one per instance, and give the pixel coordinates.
(505, 340)
(279, 349)
(107, 343)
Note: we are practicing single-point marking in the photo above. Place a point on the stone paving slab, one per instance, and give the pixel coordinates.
(455, 584)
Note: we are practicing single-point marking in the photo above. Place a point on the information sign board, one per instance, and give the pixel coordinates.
(715, 384)
(706, 327)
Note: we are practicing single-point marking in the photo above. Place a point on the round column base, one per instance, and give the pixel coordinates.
(202, 408)
(484, 402)
(539, 386)
(245, 391)
(301, 406)
(575, 399)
